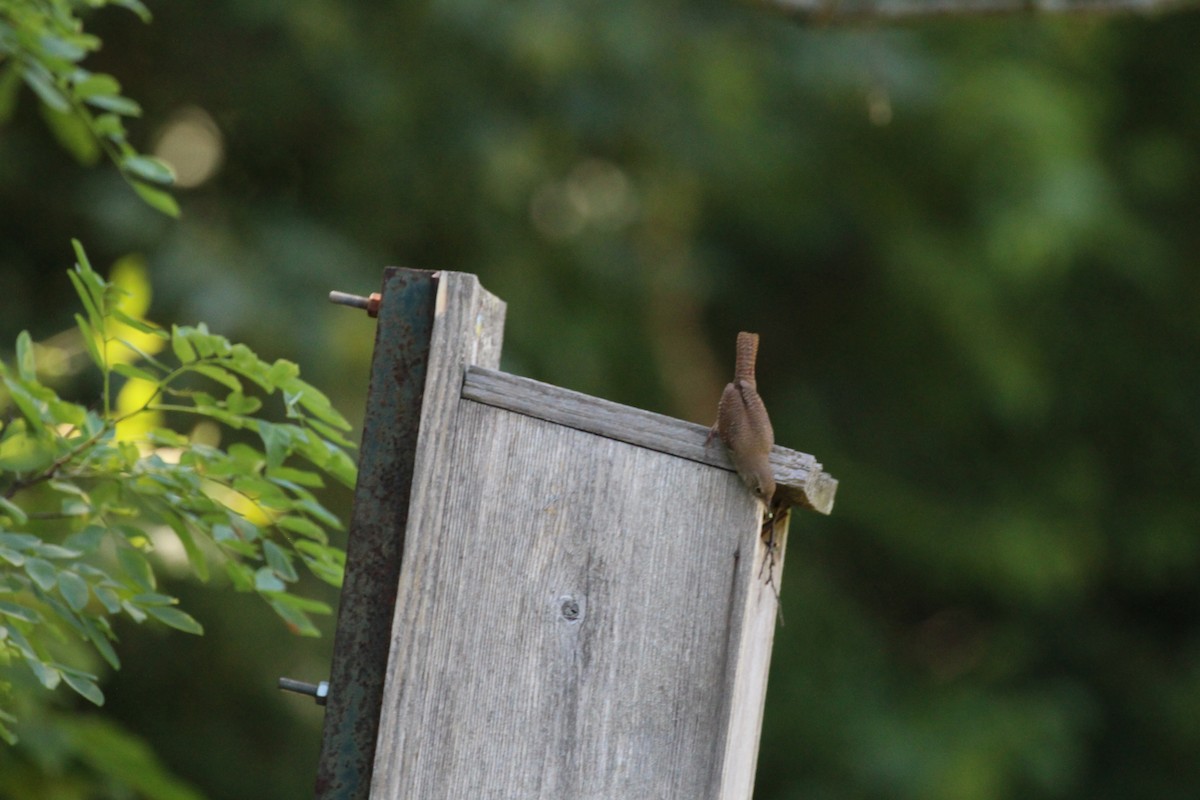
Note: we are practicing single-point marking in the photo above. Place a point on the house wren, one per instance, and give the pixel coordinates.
(743, 425)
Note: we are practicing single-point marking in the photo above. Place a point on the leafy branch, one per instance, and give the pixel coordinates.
(88, 495)
(42, 45)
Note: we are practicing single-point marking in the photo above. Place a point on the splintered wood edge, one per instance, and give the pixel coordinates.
(798, 476)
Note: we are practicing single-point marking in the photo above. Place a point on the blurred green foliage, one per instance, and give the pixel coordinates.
(969, 249)
(42, 43)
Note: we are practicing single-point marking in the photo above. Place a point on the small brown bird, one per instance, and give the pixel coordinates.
(743, 424)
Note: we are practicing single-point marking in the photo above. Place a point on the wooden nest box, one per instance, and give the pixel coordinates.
(547, 596)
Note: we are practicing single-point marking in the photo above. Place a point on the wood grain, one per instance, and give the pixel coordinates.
(799, 476)
(591, 620)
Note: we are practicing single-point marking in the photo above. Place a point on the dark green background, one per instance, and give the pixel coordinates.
(969, 246)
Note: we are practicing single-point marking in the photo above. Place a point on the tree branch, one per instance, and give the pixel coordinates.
(852, 11)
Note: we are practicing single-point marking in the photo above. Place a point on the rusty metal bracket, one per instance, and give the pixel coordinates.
(375, 547)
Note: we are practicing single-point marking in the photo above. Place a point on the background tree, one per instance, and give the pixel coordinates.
(967, 246)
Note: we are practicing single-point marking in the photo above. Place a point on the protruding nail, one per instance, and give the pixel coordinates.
(370, 304)
(318, 691)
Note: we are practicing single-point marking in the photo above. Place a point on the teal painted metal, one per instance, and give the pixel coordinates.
(376, 540)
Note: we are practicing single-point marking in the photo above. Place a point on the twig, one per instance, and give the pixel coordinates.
(859, 11)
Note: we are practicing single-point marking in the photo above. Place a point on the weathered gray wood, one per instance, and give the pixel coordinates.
(582, 618)
(798, 475)
(468, 328)
(585, 609)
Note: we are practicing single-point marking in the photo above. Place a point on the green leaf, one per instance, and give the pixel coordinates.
(182, 347)
(135, 613)
(265, 580)
(23, 645)
(279, 562)
(116, 104)
(89, 340)
(42, 82)
(50, 550)
(180, 525)
(101, 642)
(74, 590)
(14, 511)
(292, 613)
(315, 509)
(240, 575)
(86, 540)
(342, 467)
(47, 675)
(238, 403)
(156, 198)
(91, 300)
(136, 6)
(42, 572)
(25, 401)
(73, 134)
(180, 620)
(304, 527)
(109, 126)
(300, 476)
(276, 442)
(315, 402)
(19, 612)
(130, 371)
(153, 599)
(135, 566)
(26, 366)
(108, 598)
(151, 169)
(327, 563)
(330, 433)
(142, 354)
(83, 267)
(282, 371)
(65, 413)
(58, 48)
(140, 324)
(96, 84)
(220, 375)
(84, 685)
